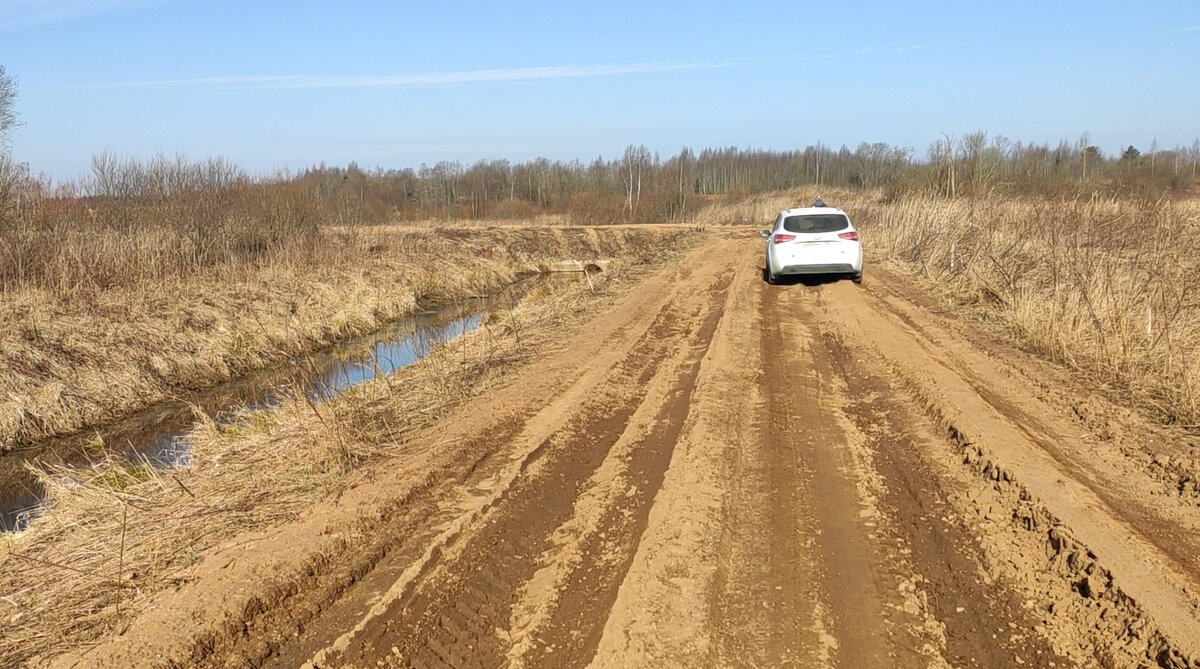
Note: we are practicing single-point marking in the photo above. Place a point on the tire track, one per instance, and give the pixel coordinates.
(574, 630)
(1176, 542)
(741, 625)
(666, 613)
(310, 620)
(458, 615)
(809, 470)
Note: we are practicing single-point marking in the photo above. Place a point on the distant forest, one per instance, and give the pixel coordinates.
(642, 185)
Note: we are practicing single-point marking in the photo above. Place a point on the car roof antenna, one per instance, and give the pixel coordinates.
(819, 202)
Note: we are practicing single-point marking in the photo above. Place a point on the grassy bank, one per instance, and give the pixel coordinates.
(74, 357)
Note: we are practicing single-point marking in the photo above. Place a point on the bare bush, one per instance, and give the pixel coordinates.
(149, 221)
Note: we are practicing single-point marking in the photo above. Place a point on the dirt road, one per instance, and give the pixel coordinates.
(719, 472)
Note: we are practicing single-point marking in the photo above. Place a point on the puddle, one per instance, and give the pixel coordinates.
(158, 434)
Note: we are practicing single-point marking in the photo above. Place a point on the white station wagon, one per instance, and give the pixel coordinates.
(813, 240)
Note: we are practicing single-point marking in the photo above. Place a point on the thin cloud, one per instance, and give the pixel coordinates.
(425, 79)
(26, 13)
(488, 76)
(1156, 33)
(1176, 31)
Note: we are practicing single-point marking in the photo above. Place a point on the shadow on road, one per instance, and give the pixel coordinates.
(804, 279)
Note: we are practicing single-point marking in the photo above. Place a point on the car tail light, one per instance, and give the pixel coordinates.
(852, 236)
(779, 239)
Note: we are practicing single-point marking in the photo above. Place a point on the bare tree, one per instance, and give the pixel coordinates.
(977, 171)
(8, 98)
(11, 172)
(633, 163)
(1195, 156)
(941, 156)
(1085, 140)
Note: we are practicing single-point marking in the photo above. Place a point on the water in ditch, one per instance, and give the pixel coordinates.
(158, 435)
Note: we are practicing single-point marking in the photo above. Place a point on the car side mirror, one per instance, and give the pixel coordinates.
(764, 233)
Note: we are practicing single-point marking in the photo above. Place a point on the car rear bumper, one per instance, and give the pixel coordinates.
(822, 258)
(837, 268)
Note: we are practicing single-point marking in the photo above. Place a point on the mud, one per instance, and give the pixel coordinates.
(712, 471)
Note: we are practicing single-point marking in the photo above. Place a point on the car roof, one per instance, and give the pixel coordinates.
(810, 211)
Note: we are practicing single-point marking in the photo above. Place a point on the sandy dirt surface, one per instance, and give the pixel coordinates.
(719, 472)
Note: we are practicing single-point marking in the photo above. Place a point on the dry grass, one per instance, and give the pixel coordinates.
(71, 360)
(540, 220)
(1105, 285)
(760, 210)
(115, 536)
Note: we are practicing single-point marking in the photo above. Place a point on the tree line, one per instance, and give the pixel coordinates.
(641, 185)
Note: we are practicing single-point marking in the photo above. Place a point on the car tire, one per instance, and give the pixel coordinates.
(857, 278)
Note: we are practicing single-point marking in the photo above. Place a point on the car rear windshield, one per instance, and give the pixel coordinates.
(816, 223)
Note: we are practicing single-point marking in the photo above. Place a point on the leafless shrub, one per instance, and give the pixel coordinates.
(140, 222)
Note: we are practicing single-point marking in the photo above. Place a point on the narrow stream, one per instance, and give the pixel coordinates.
(158, 434)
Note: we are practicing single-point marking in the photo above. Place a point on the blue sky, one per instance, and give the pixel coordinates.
(276, 85)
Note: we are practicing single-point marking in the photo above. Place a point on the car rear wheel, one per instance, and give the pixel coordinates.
(857, 278)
